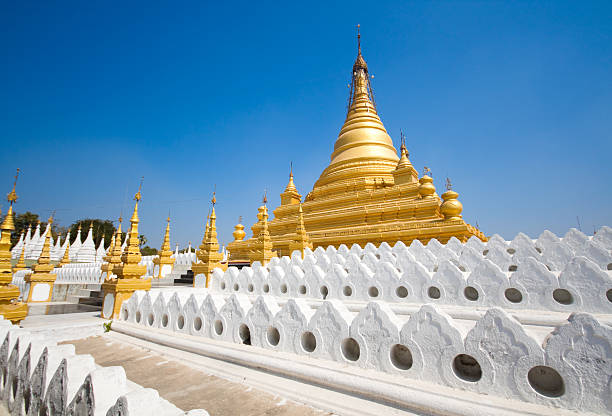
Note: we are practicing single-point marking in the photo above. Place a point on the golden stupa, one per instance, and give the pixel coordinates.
(367, 194)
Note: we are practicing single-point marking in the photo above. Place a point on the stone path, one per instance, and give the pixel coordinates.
(185, 385)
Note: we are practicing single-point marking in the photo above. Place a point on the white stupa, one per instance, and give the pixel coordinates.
(100, 252)
(32, 248)
(87, 252)
(76, 246)
(16, 251)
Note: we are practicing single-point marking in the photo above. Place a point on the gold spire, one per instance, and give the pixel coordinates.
(129, 273)
(301, 240)
(404, 172)
(165, 255)
(130, 269)
(66, 257)
(21, 262)
(261, 248)
(291, 194)
(45, 255)
(208, 252)
(115, 253)
(10, 308)
(363, 153)
(451, 207)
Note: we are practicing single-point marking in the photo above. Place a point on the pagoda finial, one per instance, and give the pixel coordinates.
(138, 197)
(214, 198)
(12, 196)
(291, 169)
(265, 197)
(358, 39)
(403, 142)
(449, 185)
(426, 171)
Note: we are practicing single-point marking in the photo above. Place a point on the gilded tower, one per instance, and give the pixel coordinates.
(367, 193)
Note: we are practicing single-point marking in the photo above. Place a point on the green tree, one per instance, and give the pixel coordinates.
(100, 228)
(148, 251)
(23, 220)
(142, 240)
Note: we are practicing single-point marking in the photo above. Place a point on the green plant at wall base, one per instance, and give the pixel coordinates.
(107, 326)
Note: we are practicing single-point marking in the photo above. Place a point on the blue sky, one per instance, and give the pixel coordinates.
(511, 100)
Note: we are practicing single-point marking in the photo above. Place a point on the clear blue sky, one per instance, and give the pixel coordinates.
(511, 100)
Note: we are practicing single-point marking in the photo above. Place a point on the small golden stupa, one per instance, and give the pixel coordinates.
(367, 194)
(165, 254)
(208, 253)
(41, 281)
(260, 248)
(21, 262)
(129, 272)
(113, 257)
(10, 308)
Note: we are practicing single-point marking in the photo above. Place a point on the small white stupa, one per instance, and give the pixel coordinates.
(16, 251)
(32, 248)
(76, 246)
(87, 252)
(101, 251)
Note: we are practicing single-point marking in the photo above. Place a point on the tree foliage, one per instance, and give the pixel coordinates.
(26, 219)
(148, 251)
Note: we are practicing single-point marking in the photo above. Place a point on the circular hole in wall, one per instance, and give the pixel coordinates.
(433, 292)
(324, 291)
(350, 349)
(471, 293)
(245, 334)
(563, 296)
(236, 287)
(197, 323)
(401, 292)
(273, 336)
(266, 288)
(546, 381)
(373, 292)
(222, 285)
(150, 319)
(302, 290)
(609, 295)
(283, 288)
(539, 250)
(609, 266)
(513, 295)
(138, 316)
(308, 341)
(347, 291)
(165, 320)
(180, 322)
(218, 327)
(467, 368)
(250, 287)
(485, 252)
(511, 251)
(512, 268)
(401, 357)
(124, 314)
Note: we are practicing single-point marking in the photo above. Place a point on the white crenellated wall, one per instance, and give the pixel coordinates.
(37, 376)
(567, 366)
(569, 274)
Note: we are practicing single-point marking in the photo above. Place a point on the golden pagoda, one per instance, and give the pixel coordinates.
(366, 194)
(66, 257)
(10, 308)
(165, 254)
(260, 247)
(208, 254)
(301, 240)
(21, 262)
(113, 257)
(129, 272)
(41, 281)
